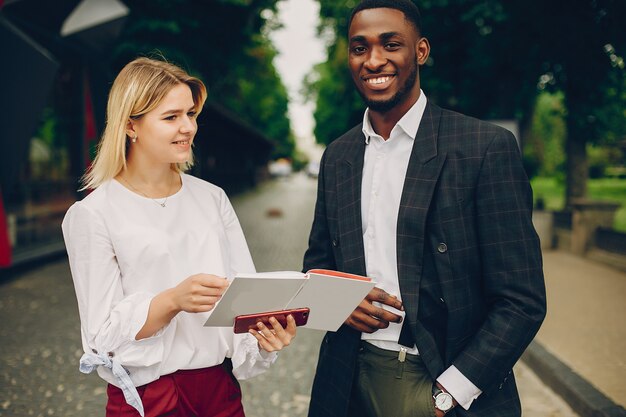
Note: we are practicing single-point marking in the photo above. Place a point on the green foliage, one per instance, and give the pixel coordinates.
(551, 190)
(48, 128)
(611, 114)
(338, 104)
(223, 42)
(490, 59)
(603, 157)
(339, 107)
(260, 97)
(472, 45)
(54, 139)
(544, 145)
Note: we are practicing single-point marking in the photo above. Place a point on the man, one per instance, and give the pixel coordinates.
(436, 207)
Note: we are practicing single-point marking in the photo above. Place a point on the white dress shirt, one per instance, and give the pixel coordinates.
(384, 172)
(124, 249)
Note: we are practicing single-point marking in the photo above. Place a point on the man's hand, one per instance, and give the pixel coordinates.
(368, 318)
(438, 412)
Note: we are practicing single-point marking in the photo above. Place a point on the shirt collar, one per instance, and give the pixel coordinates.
(409, 123)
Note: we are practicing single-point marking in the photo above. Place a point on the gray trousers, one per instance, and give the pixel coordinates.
(386, 387)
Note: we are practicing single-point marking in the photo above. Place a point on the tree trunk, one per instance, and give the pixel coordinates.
(576, 165)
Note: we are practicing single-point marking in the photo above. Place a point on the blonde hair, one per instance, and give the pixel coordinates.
(139, 88)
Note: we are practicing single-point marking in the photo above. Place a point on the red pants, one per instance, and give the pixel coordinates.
(206, 392)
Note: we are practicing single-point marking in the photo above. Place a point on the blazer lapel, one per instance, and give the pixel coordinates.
(350, 227)
(421, 178)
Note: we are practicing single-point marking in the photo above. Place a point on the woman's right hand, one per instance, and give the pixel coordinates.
(196, 294)
(199, 293)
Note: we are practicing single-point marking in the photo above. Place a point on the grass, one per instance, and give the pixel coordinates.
(610, 189)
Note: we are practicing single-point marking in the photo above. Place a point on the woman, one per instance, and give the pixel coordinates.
(149, 249)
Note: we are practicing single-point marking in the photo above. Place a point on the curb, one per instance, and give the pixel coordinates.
(33, 258)
(585, 399)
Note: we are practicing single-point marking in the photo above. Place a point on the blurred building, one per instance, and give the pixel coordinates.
(54, 79)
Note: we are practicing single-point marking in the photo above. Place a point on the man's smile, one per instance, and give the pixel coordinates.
(378, 82)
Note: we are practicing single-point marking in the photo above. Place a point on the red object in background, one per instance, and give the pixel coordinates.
(5, 245)
(1, 3)
(90, 132)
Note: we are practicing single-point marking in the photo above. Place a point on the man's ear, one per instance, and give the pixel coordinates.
(422, 50)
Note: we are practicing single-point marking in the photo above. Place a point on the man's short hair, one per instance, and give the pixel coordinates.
(407, 7)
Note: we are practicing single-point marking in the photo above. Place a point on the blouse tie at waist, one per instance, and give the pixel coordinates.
(90, 361)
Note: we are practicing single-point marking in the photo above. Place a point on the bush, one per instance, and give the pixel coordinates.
(601, 158)
(597, 170)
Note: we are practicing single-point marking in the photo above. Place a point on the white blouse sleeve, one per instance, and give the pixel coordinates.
(110, 319)
(248, 360)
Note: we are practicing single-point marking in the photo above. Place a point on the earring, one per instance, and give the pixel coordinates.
(133, 139)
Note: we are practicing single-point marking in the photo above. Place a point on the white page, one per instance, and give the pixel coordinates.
(247, 295)
(331, 299)
(273, 274)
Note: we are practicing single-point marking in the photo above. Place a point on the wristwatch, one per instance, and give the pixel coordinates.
(443, 400)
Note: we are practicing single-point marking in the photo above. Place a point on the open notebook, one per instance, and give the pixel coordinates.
(330, 295)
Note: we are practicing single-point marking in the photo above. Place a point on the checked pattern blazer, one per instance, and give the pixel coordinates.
(469, 261)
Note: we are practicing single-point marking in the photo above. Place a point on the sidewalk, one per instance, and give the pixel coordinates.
(39, 329)
(581, 347)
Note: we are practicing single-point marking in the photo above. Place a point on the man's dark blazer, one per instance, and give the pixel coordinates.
(469, 260)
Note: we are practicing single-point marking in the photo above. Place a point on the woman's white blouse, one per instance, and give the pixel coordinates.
(124, 249)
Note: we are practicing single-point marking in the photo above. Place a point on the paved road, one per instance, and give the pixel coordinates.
(39, 329)
(585, 325)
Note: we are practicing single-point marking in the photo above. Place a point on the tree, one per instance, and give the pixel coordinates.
(544, 152)
(491, 58)
(581, 61)
(338, 104)
(260, 95)
(226, 44)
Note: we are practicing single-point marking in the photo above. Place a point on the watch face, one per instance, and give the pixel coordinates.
(443, 401)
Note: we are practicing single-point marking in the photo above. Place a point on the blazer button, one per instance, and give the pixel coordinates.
(442, 248)
(335, 243)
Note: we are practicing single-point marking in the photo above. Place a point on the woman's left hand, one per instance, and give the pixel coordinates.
(275, 338)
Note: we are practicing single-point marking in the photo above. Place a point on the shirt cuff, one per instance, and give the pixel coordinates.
(268, 356)
(248, 359)
(461, 388)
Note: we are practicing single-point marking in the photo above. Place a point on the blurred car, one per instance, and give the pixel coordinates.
(280, 168)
